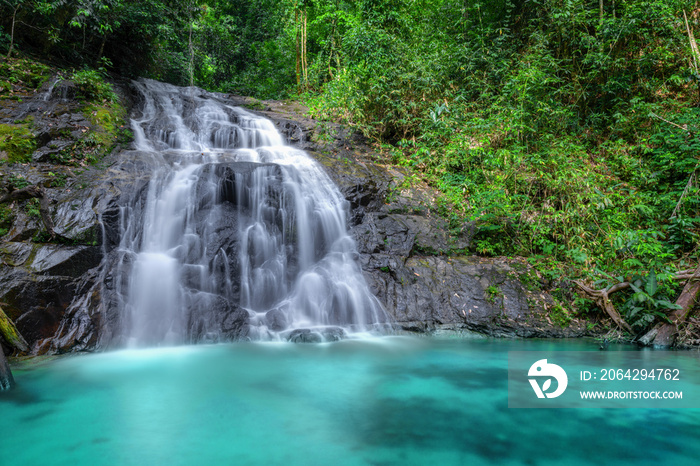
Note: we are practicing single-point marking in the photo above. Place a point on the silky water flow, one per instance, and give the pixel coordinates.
(236, 235)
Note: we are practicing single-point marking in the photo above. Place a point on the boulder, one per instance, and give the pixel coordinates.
(304, 335)
(316, 335)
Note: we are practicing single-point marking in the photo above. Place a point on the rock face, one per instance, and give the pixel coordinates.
(61, 294)
(53, 291)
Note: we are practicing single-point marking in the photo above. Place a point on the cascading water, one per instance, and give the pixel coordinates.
(236, 234)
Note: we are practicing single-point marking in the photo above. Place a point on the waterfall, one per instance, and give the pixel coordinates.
(235, 235)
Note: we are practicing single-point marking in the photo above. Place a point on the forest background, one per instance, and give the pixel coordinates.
(563, 131)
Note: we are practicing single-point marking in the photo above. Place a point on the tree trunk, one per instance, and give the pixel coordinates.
(665, 334)
(191, 50)
(102, 49)
(304, 63)
(12, 31)
(298, 47)
(331, 49)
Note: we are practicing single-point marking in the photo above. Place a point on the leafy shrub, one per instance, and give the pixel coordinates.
(6, 218)
(91, 86)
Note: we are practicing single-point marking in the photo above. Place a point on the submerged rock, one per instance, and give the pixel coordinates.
(316, 335)
(304, 335)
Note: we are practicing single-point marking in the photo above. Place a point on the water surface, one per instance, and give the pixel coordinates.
(393, 400)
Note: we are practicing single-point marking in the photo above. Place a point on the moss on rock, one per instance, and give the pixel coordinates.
(16, 143)
(9, 333)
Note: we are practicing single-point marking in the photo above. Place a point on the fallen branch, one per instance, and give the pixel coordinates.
(602, 299)
(33, 192)
(683, 127)
(662, 334)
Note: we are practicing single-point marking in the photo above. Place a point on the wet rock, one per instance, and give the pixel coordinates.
(6, 379)
(77, 214)
(316, 335)
(276, 320)
(210, 314)
(69, 261)
(236, 325)
(51, 150)
(15, 253)
(405, 235)
(65, 89)
(24, 227)
(483, 295)
(304, 335)
(36, 303)
(79, 331)
(333, 334)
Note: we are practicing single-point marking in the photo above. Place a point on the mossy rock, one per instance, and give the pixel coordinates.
(17, 142)
(9, 333)
(23, 71)
(108, 122)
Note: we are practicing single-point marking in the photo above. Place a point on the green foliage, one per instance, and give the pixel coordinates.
(6, 218)
(650, 300)
(560, 315)
(17, 182)
(492, 292)
(546, 128)
(58, 180)
(32, 208)
(91, 86)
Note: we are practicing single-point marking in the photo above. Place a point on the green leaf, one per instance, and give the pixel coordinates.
(652, 285)
(667, 304)
(636, 289)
